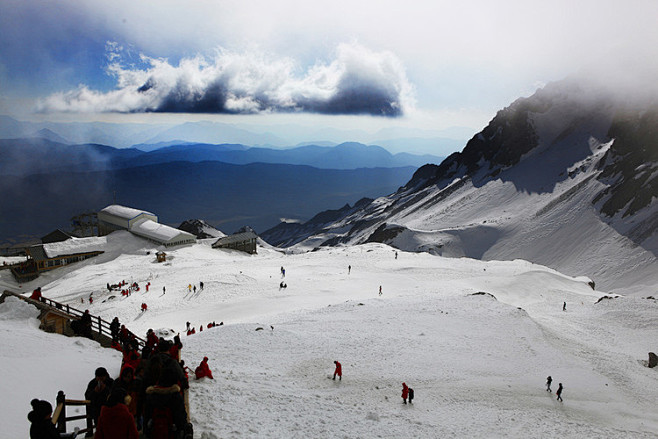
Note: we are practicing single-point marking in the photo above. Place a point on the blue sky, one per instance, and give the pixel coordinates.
(367, 64)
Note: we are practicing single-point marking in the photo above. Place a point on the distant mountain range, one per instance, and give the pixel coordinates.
(44, 183)
(567, 178)
(38, 155)
(125, 135)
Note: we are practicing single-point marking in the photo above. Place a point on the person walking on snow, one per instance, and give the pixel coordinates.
(201, 285)
(564, 306)
(349, 268)
(549, 380)
(194, 289)
(338, 371)
(405, 392)
(163, 290)
(189, 288)
(559, 392)
(380, 290)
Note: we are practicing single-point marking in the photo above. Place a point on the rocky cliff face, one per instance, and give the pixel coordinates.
(200, 229)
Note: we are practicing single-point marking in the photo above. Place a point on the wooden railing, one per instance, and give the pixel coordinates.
(98, 325)
(60, 419)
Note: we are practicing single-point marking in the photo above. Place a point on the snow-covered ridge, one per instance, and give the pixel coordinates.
(563, 178)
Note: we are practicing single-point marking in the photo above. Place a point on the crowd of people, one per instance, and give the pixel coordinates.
(191, 330)
(148, 395)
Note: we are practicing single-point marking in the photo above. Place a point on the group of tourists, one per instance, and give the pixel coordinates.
(148, 395)
(191, 330)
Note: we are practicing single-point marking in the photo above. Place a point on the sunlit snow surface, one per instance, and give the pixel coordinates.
(477, 364)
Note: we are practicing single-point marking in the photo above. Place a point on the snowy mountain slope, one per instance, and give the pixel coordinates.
(564, 178)
(477, 363)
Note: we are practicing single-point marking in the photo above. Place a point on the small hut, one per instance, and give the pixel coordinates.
(161, 256)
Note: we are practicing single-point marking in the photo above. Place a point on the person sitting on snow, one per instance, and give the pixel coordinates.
(203, 370)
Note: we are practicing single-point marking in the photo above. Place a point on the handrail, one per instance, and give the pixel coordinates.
(60, 419)
(97, 322)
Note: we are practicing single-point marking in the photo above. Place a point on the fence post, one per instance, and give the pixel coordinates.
(90, 422)
(100, 325)
(61, 421)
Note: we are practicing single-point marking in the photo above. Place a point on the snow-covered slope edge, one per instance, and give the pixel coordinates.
(566, 178)
(478, 363)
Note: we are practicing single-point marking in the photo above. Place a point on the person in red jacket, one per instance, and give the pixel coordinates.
(405, 392)
(203, 370)
(36, 294)
(338, 371)
(115, 420)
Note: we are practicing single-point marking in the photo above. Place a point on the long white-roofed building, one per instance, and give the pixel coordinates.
(116, 217)
(162, 234)
(141, 223)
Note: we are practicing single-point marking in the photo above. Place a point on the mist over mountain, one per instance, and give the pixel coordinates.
(565, 178)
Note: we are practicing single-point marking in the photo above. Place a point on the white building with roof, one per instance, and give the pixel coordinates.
(116, 217)
(141, 223)
(161, 234)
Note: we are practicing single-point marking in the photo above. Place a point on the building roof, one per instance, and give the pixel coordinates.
(73, 246)
(56, 236)
(125, 212)
(237, 237)
(159, 232)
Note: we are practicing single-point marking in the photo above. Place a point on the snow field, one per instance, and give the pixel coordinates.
(478, 364)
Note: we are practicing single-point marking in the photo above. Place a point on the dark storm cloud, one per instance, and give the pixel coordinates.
(357, 81)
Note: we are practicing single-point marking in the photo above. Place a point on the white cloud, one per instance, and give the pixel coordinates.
(356, 81)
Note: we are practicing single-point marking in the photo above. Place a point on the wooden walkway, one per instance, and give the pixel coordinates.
(56, 317)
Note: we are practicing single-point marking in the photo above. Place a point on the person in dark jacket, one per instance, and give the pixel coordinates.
(549, 380)
(132, 384)
(559, 392)
(114, 329)
(42, 426)
(165, 396)
(85, 324)
(115, 420)
(97, 392)
(161, 362)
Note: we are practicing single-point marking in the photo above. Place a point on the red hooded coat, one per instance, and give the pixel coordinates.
(116, 422)
(203, 370)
